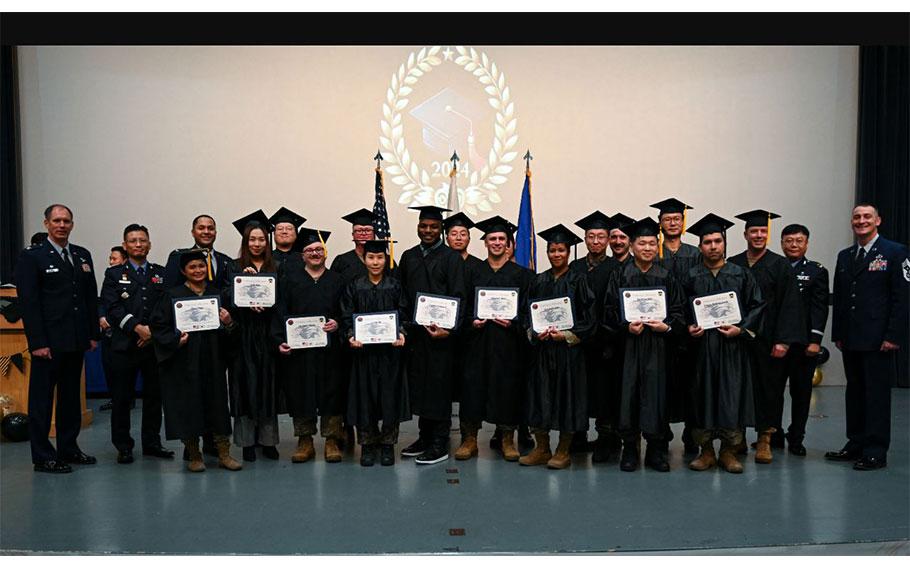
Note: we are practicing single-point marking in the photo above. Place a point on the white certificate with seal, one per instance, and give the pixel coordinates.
(254, 291)
(305, 332)
(555, 312)
(441, 311)
(716, 310)
(495, 303)
(377, 327)
(197, 313)
(643, 304)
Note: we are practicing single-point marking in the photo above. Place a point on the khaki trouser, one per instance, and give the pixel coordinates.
(373, 435)
(330, 426)
(728, 438)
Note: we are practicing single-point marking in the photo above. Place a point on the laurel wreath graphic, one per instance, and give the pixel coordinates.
(416, 188)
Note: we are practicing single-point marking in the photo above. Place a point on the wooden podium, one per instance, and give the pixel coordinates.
(14, 384)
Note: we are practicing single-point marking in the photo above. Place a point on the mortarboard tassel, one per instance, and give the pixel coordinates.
(325, 249)
(660, 243)
(208, 262)
(684, 223)
(768, 236)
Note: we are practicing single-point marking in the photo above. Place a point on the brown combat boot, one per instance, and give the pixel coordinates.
(763, 447)
(729, 462)
(705, 460)
(333, 453)
(305, 451)
(509, 451)
(468, 447)
(225, 460)
(196, 465)
(541, 452)
(561, 459)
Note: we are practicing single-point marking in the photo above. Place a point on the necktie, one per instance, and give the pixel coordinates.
(141, 271)
(861, 255)
(66, 257)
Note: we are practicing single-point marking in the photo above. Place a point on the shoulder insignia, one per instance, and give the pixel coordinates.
(905, 267)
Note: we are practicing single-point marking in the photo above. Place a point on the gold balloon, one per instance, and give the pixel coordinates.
(817, 377)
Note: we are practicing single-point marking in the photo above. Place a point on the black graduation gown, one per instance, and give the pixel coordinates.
(646, 357)
(194, 389)
(492, 383)
(682, 366)
(254, 391)
(377, 389)
(280, 256)
(723, 396)
(471, 264)
(431, 362)
(312, 380)
(557, 383)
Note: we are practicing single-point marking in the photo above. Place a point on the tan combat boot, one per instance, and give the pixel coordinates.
(561, 459)
(541, 452)
(705, 460)
(333, 432)
(305, 451)
(223, 443)
(763, 447)
(509, 451)
(729, 462)
(468, 447)
(333, 453)
(195, 464)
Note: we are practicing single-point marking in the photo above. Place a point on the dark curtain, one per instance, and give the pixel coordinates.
(10, 177)
(883, 148)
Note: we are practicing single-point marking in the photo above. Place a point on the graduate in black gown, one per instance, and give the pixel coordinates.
(678, 257)
(493, 384)
(311, 379)
(254, 392)
(285, 224)
(619, 240)
(557, 382)
(723, 370)
(647, 350)
(603, 360)
(351, 264)
(377, 389)
(431, 268)
(193, 384)
(783, 325)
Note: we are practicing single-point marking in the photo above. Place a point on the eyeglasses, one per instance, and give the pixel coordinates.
(362, 231)
(796, 241)
(314, 252)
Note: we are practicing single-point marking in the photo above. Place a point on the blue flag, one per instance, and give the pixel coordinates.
(525, 238)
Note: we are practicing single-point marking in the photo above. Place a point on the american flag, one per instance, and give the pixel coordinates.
(381, 220)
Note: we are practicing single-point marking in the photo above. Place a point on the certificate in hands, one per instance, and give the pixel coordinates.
(306, 332)
(495, 303)
(716, 310)
(643, 304)
(555, 312)
(197, 314)
(441, 311)
(377, 327)
(254, 291)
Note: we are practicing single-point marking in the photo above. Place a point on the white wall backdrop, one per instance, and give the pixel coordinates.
(158, 134)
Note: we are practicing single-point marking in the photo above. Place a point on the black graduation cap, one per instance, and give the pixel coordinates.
(710, 223)
(360, 217)
(430, 212)
(307, 236)
(559, 234)
(458, 220)
(646, 227)
(257, 217)
(285, 215)
(757, 217)
(620, 221)
(496, 224)
(189, 255)
(670, 205)
(375, 246)
(596, 220)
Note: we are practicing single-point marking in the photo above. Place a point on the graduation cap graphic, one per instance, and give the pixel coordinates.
(448, 124)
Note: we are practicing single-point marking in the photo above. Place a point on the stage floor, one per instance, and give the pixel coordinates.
(795, 505)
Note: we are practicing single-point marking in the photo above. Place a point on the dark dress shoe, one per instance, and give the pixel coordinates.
(387, 454)
(367, 456)
(80, 458)
(125, 456)
(270, 452)
(525, 441)
(158, 452)
(843, 455)
(868, 464)
(797, 449)
(601, 452)
(53, 467)
(657, 460)
(249, 454)
(629, 460)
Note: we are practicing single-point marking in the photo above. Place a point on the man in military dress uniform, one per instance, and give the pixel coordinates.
(59, 301)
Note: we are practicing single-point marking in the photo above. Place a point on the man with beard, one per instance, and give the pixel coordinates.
(619, 240)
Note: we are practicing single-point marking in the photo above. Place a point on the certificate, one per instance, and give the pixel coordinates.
(555, 312)
(495, 303)
(717, 310)
(643, 304)
(254, 291)
(378, 327)
(305, 332)
(196, 314)
(441, 311)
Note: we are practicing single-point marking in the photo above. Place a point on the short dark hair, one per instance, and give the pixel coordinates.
(135, 227)
(793, 229)
(867, 204)
(38, 238)
(197, 217)
(52, 206)
(119, 249)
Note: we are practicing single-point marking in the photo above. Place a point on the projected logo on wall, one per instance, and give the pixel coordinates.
(466, 109)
